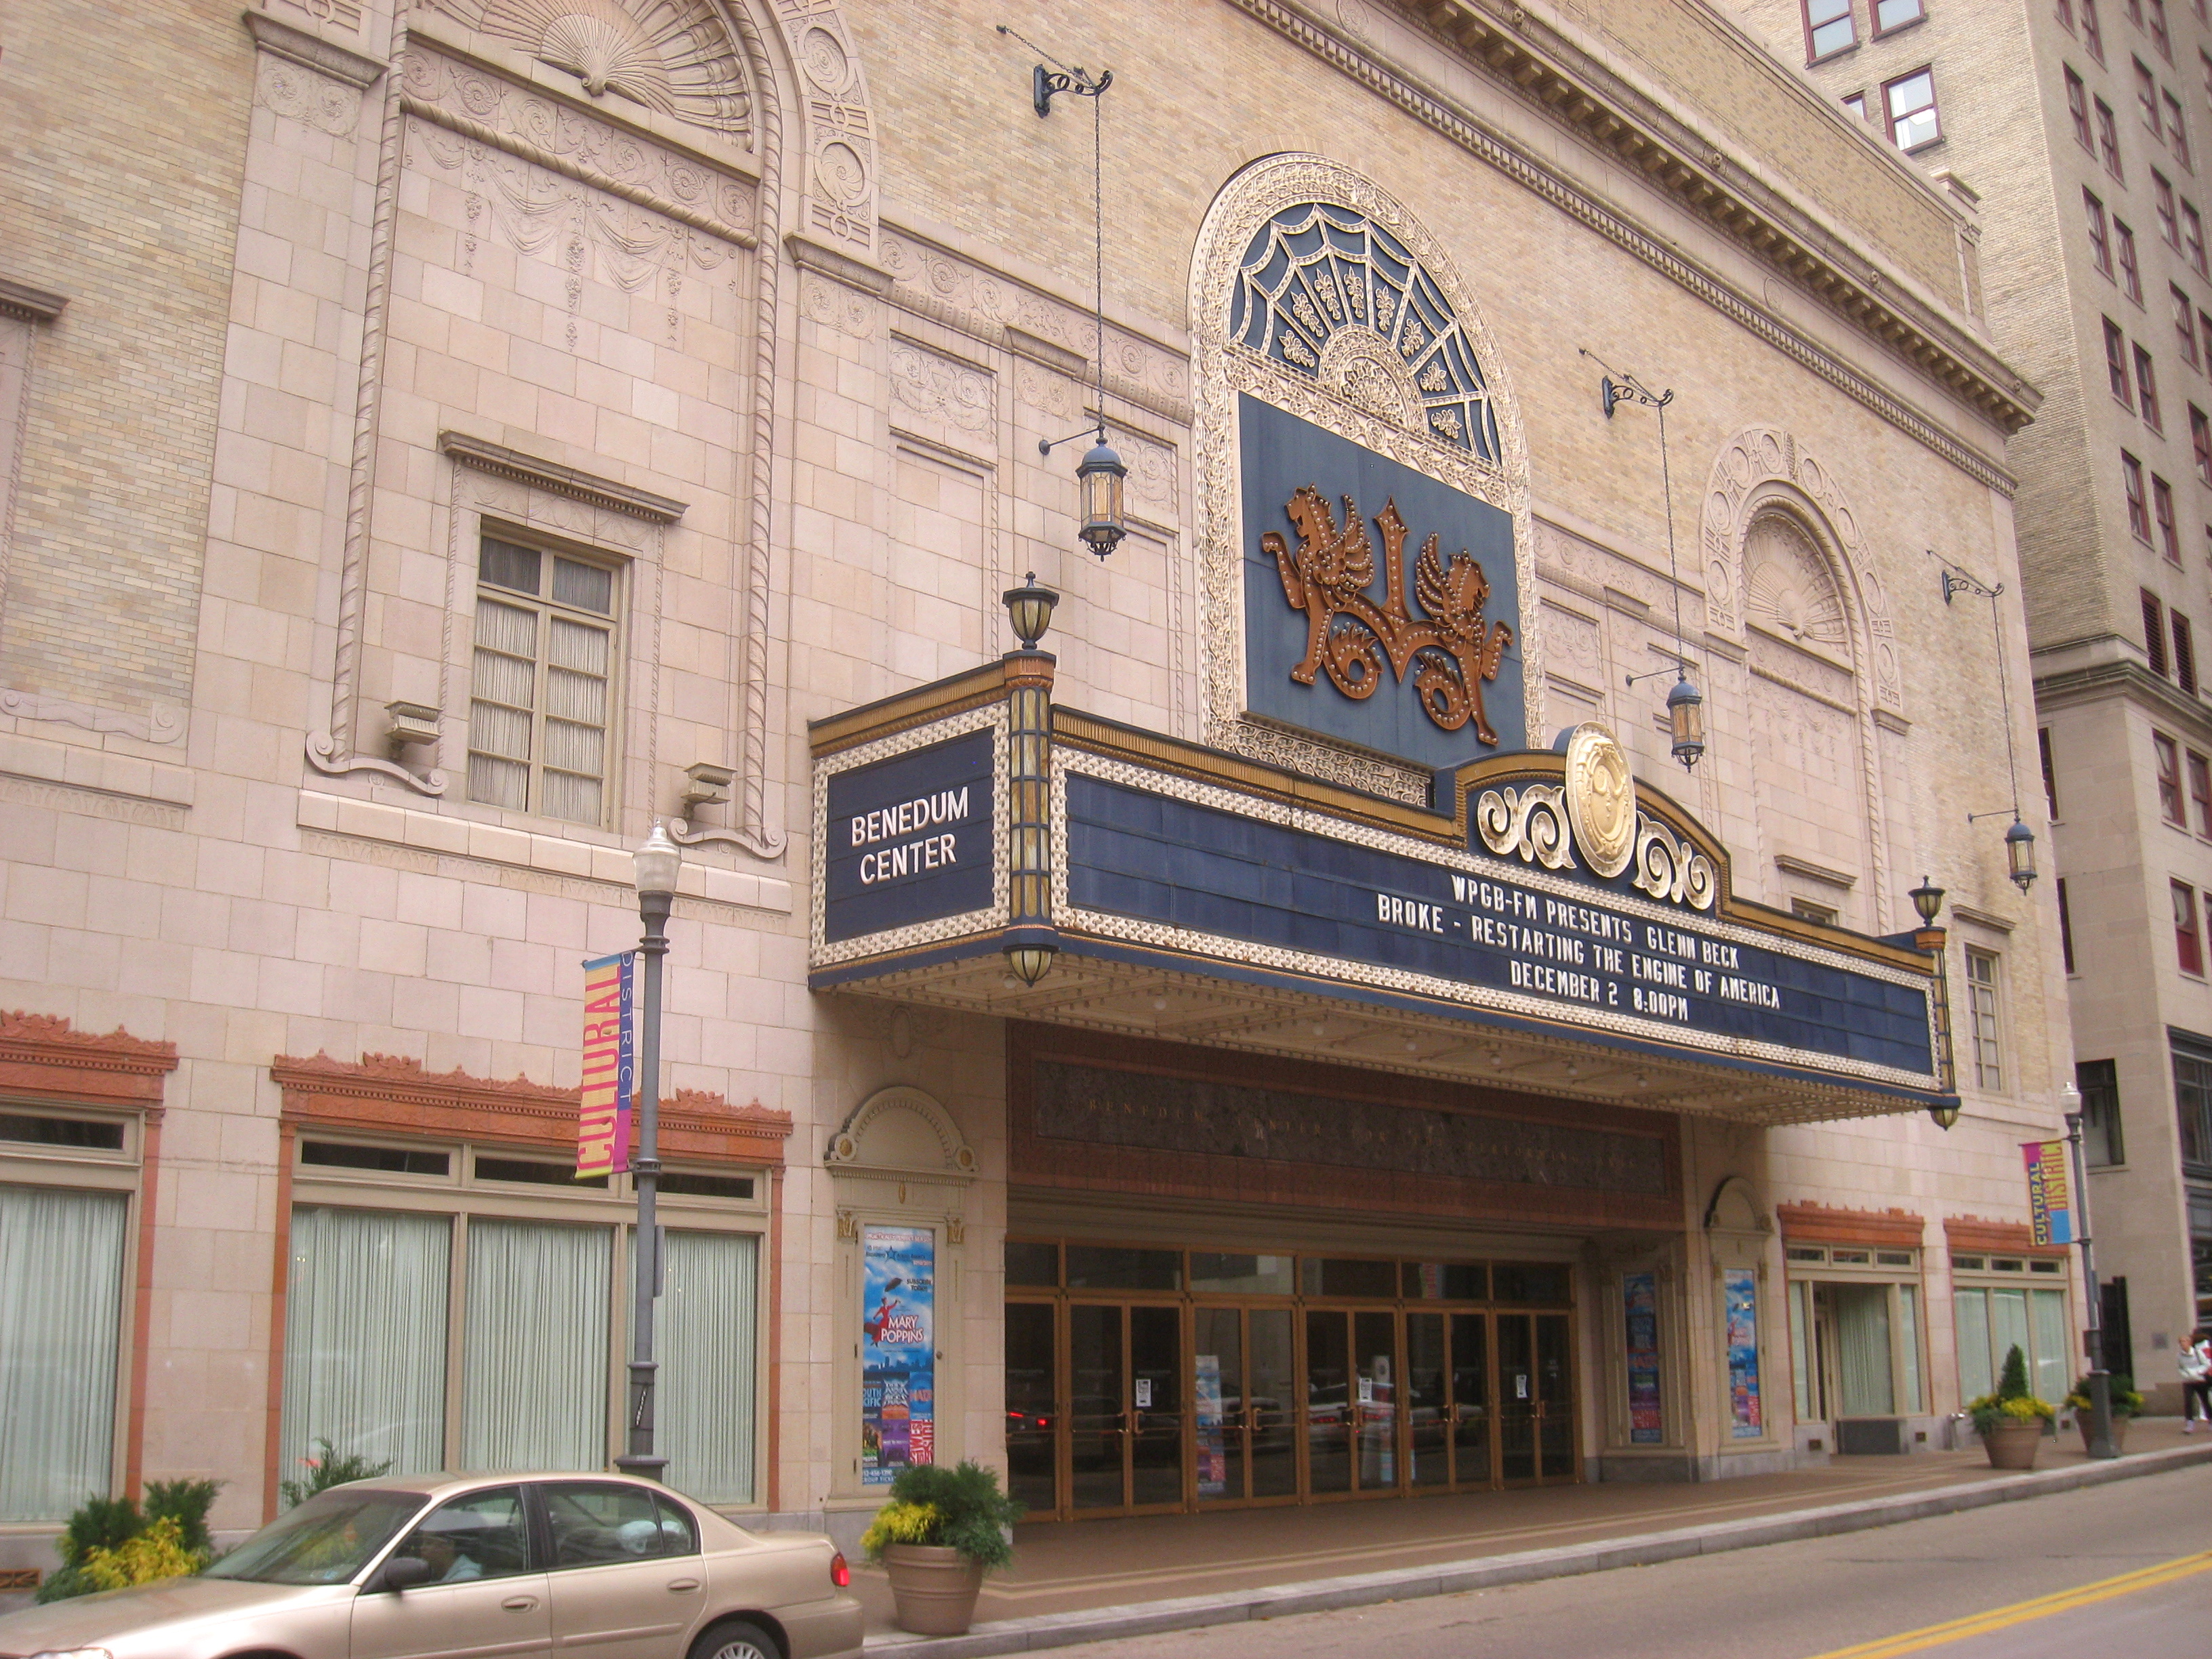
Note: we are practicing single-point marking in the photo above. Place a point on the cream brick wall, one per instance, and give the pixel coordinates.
(269, 907)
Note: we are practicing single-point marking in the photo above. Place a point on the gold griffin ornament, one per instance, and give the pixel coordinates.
(1349, 636)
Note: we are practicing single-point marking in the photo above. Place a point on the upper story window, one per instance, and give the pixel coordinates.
(2185, 658)
(2146, 391)
(2177, 130)
(1829, 28)
(2188, 931)
(2049, 774)
(2200, 792)
(2192, 238)
(2098, 1080)
(1982, 1019)
(2116, 363)
(2192, 1101)
(2169, 532)
(2184, 327)
(2092, 32)
(2161, 192)
(1893, 15)
(2108, 139)
(1855, 103)
(2100, 237)
(2077, 106)
(2146, 95)
(2065, 927)
(1910, 101)
(539, 711)
(2131, 479)
(2204, 63)
(2064, 10)
(2200, 440)
(2154, 617)
(2161, 36)
(2123, 242)
(2167, 755)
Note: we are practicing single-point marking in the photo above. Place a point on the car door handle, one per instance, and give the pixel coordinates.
(678, 1585)
(519, 1603)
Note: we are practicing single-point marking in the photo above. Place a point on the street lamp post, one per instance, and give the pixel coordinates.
(2100, 1380)
(654, 867)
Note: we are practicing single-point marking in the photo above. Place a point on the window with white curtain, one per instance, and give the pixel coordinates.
(1992, 1318)
(534, 1359)
(61, 1311)
(542, 680)
(422, 1330)
(365, 1337)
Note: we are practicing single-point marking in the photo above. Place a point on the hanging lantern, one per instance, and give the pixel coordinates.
(1030, 962)
(1686, 720)
(2020, 854)
(1099, 482)
(1945, 1113)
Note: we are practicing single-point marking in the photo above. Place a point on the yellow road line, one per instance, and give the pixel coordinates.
(2019, 1613)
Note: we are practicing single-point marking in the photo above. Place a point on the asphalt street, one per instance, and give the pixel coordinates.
(2124, 1569)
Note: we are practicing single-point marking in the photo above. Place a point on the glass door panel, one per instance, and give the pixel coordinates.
(1031, 1411)
(1224, 1445)
(1517, 1397)
(1097, 1408)
(1428, 1401)
(1470, 1408)
(1156, 1429)
(1375, 1401)
(1329, 1402)
(1555, 1398)
(1271, 1406)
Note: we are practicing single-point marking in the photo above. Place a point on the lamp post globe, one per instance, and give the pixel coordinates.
(656, 864)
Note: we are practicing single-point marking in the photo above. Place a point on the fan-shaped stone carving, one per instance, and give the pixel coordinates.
(1787, 589)
(671, 55)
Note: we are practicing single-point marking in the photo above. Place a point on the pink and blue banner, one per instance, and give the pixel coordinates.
(2050, 1192)
(603, 1113)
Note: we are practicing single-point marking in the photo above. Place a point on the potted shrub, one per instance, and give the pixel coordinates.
(941, 1531)
(2126, 1404)
(2012, 1421)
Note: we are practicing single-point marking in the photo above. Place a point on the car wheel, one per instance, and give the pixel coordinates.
(736, 1639)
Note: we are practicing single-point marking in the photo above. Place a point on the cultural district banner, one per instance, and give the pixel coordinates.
(898, 1345)
(610, 1066)
(2049, 1193)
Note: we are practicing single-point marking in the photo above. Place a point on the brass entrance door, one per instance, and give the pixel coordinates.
(1125, 1407)
(1245, 1368)
(1535, 1399)
(1450, 1443)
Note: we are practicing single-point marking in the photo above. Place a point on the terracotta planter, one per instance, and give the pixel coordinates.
(2013, 1445)
(2119, 1431)
(935, 1587)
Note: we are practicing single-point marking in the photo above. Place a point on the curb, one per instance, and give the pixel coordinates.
(1452, 1577)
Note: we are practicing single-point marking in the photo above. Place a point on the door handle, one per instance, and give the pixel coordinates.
(677, 1585)
(519, 1603)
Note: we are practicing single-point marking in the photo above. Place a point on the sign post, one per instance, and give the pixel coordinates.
(2101, 1381)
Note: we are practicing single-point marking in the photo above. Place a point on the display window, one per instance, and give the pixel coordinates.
(1856, 1343)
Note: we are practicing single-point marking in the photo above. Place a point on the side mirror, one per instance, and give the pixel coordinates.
(404, 1572)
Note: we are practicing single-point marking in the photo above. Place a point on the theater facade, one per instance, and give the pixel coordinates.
(1263, 1016)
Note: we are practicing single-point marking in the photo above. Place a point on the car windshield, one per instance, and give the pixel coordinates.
(327, 1540)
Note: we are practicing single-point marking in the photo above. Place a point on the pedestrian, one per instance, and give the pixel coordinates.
(2195, 1381)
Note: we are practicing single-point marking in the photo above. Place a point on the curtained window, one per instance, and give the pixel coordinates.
(534, 1392)
(365, 1337)
(61, 1311)
(704, 1403)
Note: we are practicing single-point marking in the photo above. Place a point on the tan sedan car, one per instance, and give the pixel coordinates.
(443, 1567)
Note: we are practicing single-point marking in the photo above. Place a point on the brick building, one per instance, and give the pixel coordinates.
(505, 426)
(2073, 132)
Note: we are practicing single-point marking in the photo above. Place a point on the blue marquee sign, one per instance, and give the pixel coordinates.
(909, 839)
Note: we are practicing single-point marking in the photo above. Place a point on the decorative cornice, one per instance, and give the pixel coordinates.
(44, 1056)
(1859, 296)
(312, 52)
(809, 255)
(1974, 1236)
(1819, 1224)
(1797, 867)
(394, 1093)
(560, 480)
(29, 305)
(1988, 919)
(2129, 677)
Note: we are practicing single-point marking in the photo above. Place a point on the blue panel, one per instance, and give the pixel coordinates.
(1280, 453)
(1137, 855)
(909, 839)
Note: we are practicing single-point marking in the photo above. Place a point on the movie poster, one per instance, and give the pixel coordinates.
(1740, 1298)
(898, 1345)
(1213, 1441)
(1640, 1299)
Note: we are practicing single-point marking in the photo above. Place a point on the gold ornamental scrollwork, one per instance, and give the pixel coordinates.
(1600, 799)
(1669, 868)
(1529, 822)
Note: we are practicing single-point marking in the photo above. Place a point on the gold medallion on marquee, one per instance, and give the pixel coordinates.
(1600, 799)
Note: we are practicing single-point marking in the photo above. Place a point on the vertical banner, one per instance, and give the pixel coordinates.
(898, 1345)
(1639, 1295)
(2049, 1193)
(1213, 1445)
(1739, 1300)
(610, 1066)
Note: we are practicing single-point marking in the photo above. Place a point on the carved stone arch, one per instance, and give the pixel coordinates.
(1764, 488)
(904, 1130)
(1351, 371)
(1735, 1209)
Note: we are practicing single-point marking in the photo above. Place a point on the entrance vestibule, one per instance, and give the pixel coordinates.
(1150, 1381)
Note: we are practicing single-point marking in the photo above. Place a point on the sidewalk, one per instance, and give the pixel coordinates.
(1088, 1581)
